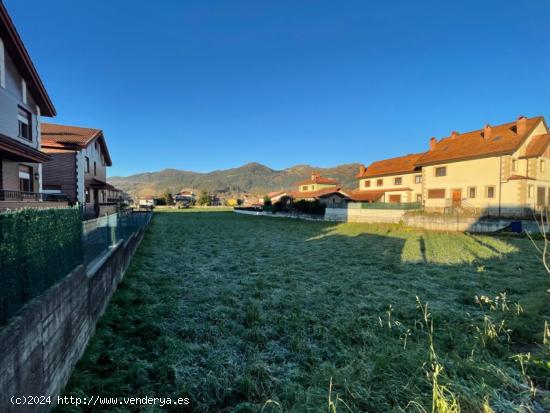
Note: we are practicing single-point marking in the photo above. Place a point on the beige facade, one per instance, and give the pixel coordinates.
(310, 187)
(511, 177)
(404, 187)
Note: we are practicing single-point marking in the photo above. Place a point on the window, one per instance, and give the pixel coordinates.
(490, 192)
(304, 188)
(24, 91)
(379, 182)
(418, 179)
(441, 171)
(25, 178)
(24, 118)
(530, 191)
(436, 193)
(472, 192)
(366, 184)
(87, 165)
(87, 193)
(514, 165)
(418, 197)
(542, 165)
(95, 168)
(2, 65)
(395, 199)
(397, 181)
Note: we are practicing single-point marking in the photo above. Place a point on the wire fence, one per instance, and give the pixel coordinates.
(38, 247)
(101, 234)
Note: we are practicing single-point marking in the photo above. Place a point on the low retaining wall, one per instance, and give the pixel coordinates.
(455, 223)
(14, 205)
(390, 216)
(40, 346)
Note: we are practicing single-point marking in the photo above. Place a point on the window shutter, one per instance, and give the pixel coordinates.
(24, 90)
(2, 65)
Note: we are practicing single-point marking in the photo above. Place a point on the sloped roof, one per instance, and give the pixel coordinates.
(537, 146)
(71, 137)
(392, 166)
(504, 139)
(318, 179)
(365, 196)
(316, 194)
(17, 51)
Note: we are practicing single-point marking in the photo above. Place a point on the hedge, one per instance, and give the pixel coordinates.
(37, 248)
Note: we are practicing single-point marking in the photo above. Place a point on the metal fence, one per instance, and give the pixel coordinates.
(101, 234)
(38, 247)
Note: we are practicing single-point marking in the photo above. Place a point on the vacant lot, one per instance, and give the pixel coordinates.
(241, 312)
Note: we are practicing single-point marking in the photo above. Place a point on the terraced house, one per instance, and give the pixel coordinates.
(496, 170)
(78, 167)
(23, 100)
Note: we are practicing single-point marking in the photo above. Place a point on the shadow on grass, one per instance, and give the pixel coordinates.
(232, 310)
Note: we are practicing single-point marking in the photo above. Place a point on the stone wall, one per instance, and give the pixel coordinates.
(40, 346)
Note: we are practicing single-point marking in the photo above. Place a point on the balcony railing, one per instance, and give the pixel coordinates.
(22, 196)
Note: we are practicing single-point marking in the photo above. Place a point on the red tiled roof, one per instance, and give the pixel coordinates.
(275, 194)
(365, 196)
(518, 177)
(316, 194)
(71, 137)
(503, 139)
(537, 146)
(399, 165)
(318, 179)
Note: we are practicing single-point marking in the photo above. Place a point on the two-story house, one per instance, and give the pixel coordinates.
(326, 190)
(391, 180)
(78, 168)
(497, 170)
(23, 100)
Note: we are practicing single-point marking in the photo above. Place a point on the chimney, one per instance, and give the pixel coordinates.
(487, 132)
(433, 142)
(362, 169)
(454, 134)
(521, 125)
(314, 176)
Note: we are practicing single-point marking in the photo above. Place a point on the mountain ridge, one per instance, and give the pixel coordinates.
(252, 177)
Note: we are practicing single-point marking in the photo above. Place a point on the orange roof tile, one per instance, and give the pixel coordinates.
(518, 177)
(365, 196)
(318, 179)
(503, 139)
(71, 137)
(537, 146)
(316, 194)
(399, 165)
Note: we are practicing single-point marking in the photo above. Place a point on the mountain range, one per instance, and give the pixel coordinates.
(251, 178)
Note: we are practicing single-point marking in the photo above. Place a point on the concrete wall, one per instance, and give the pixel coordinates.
(9, 205)
(364, 215)
(40, 346)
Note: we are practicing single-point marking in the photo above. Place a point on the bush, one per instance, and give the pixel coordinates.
(309, 207)
(37, 248)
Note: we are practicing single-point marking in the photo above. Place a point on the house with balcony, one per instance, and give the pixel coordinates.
(500, 170)
(23, 100)
(78, 166)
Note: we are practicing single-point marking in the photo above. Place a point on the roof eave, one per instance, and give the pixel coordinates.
(25, 64)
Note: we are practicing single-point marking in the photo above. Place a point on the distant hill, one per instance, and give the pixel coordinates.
(253, 177)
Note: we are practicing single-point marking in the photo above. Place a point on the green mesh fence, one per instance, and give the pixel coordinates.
(37, 248)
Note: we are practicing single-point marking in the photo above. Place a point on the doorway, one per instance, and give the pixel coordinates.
(457, 197)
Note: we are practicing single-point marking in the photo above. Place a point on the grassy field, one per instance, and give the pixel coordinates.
(241, 313)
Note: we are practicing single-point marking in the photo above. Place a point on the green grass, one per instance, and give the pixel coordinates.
(233, 310)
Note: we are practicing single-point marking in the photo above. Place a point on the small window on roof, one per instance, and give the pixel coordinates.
(496, 139)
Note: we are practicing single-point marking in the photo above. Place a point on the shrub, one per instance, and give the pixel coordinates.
(37, 248)
(309, 207)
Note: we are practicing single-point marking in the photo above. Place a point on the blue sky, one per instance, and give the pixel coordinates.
(203, 85)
